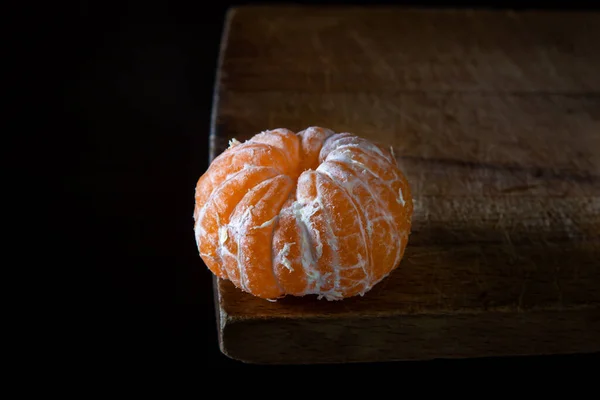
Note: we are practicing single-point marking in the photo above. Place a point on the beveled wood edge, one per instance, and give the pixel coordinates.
(214, 145)
(273, 351)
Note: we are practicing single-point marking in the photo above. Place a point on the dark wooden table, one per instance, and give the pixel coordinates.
(495, 118)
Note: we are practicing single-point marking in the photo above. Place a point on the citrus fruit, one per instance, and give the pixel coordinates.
(307, 213)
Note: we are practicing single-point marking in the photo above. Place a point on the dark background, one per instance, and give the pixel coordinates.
(135, 83)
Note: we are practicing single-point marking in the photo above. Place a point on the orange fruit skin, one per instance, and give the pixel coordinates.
(307, 213)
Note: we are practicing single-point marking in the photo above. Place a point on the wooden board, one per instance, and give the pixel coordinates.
(495, 118)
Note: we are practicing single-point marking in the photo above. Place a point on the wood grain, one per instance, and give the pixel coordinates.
(495, 118)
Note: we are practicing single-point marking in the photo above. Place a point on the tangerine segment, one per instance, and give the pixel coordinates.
(250, 234)
(382, 233)
(233, 160)
(312, 140)
(318, 256)
(332, 231)
(347, 238)
(285, 141)
(214, 215)
(289, 247)
(388, 189)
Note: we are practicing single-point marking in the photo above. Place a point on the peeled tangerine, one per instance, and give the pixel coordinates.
(303, 213)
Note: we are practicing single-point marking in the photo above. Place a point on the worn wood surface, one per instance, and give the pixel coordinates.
(495, 118)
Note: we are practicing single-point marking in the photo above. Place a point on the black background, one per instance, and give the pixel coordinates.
(134, 83)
